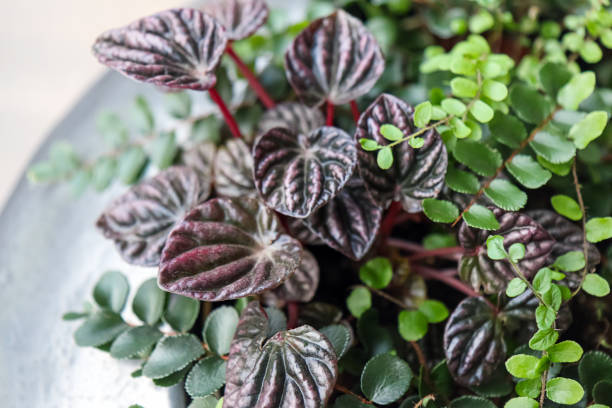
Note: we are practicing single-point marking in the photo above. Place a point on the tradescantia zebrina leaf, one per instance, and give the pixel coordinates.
(263, 372)
(296, 117)
(568, 235)
(241, 18)
(416, 174)
(234, 170)
(299, 287)
(296, 369)
(296, 174)
(227, 249)
(139, 221)
(335, 58)
(477, 269)
(178, 48)
(473, 342)
(349, 222)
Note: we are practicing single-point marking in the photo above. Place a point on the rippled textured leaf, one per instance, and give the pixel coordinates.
(259, 371)
(349, 222)
(296, 117)
(297, 174)
(335, 58)
(139, 221)
(416, 174)
(234, 170)
(227, 249)
(201, 158)
(477, 269)
(299, 287)
(241, 18)
(178, 48)
(473, 342)
(385, 378)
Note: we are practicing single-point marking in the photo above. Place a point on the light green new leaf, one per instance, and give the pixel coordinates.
(579, 88)
(543, 339)
(515, 287)
(564, 390)
(522, 402)
(566, 206)
(599, 229)
(440, 210)
(494, 90)
(481, 217)
(567, 351)
(571, 261)
(384, 158)
(359, 301)
(595, 285)
(376, 273)
(588, 129)
(463, 88)
(481, 111)
(453, 106)
(422, 114)
(495, 248)
(434, 310)
(524, 366)
(412, 324)
(391, 132)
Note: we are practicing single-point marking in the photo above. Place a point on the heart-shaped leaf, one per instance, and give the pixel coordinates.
(201, 158)
(178, 48)
(139, 221)
(349, 222)
(302, 353)
(234, 170)
(299, 230)
(296, 117)
(335, 58)
(477, 269)
(416, 174)
(241, 18)
(299, 287)
(227, 249)
(473, 342)
(296, 174)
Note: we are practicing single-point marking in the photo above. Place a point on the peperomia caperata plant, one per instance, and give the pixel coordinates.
(399, 204)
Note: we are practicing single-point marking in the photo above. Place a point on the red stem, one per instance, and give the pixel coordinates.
(457, 250)
(389, 221)
(414, 247)
(293, 309)
(250, 76)
(355, 111)
(229, 119)
(330, 114)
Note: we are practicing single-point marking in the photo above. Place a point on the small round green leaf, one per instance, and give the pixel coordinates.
(495, 248)
(134, 340)
(462, 181)
(599, 229)
(463, 87)
(412, 324)
(516, 251)
(99, 329)
(506, 195)
(434, 310)
(528, 172)
(567, 351)
(579, 88)
(595, 285)
(453, 106)
(422, 114)
(149, 302)
(359, 301)
(494, 90)
(564, 390)
(515, 287)
(384, 158)
(206, 402)
(523, 366)
(111, 291)
(391, 132)
(595, 366)
(529, 104)
(543, 339)
(206, 377)
(440, 210)
(566, 206)
(172, 353)
(588, 129)
(219, 329)
(602, 393)
(385, 379)
(571, 261)
(478, 157)
(481, 217)
(522, 402)
(507, 129)
(181, 312)
(481, 111)
(376, 273)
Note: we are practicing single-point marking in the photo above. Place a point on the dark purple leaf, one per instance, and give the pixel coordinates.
(473, 342)
(568, 235)
(297, 174)
(335, 58)
(295, 368)
(299, 287)
(140, 220)
(201, 158)
(319, 314)
(296, 117)
(178, 48)
(227, 249)
(477, 269)
(299, 231)
(349, 222)
(416, 174)
(241, 18)
(234, 170)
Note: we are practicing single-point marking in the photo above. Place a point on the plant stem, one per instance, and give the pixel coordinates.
(229, 119)
(386, 227)
(329, 121)
(355, 111)
(543, 388)
(428, 273)
(345, 390)
(522, 277)
(456, 250)
(414, 247)
(519, 149)
(585, 245)
(388, 297)
(418, 132)
(422, 361)
(250, 76)
(293, 309)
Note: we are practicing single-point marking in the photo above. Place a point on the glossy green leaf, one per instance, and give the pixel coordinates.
(440, 210)
(602, 393)
(524, 366)
(453, 106)
(495, 247)
(340, 337)
(463, 87)
(507, 129)
(412, 324)
(462, 181)
(566, 206)
(579, 88)
(529, 104)
(384, 158)
(181, 312)
(595, 366)
(99, 329)
(376, 273)
(481, 111)
(391, 132)
(543, 339)
(515, 287)
(595, 285)
(481, 217)
(368, 145)
(599, 229)
(567, 351)
(553, 146)
(206, 402)
(542, 281)
(478, 157)
(545, 316)
(571, 261)
(553, 76)
(564, 390)
(494, 90)
(385, 379)
(528, 172)
(172, 353)
(422, 114)
(219, 329)
(470, 401)
(506, 195)
(134, 341)
(206, 377)
(517, 251)
(588, 129)
(522, 402)
(149, 302)
(111, 291)
(359, 301)
(434, 310)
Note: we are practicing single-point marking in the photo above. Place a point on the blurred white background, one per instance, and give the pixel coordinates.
(46, 64)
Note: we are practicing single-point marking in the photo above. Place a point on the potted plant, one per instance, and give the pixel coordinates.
(413, 214)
